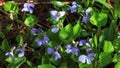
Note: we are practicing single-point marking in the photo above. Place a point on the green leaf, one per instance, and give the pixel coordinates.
(116, 3)
(116, 12)
(7, 6)
(16, 63)
(116, 58)
(108, 47)
(94, 42)
(80, 9)
(66, 34)
(45, 59)
(104, 3)
(101, 38)
(81, 65)
(20, 39)
(11, 7)
(116, 44)
(53, 61)
(30, 21)
(99, 19)
(86, 2)
(9, 60)
(117, 65)
(5, 45)
(63, 65)
(111, 31)
(76, 29)
(29, 63)
(74, 58)
(116, 8)
(53, 43)
(2, 35)
(46, 66)
(58, 3)
(63, 34)
(104, 59)
(9, 26)
(69, 28)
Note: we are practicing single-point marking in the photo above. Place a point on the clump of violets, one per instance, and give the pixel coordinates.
(56, 54)
(90, 55)
(86, 58)
(83, 42)
(56, 15)
(43, 41)
(87, 16)
(73, 8)
(21, 51)
(71, 49)
(35, 31)
(28, 7)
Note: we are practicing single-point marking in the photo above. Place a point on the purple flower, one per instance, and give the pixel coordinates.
(54, 29)
(35, 31)
(38, 41)
(88, 50)
(45, 40)
(68, 48)
(56, 15)
(21, 52)
(82, 42)
(83, 58)
(54, 53)
(28, 7)
(89, 58)
(50, 50)
(86, 17)
(73, 50)
(73, 8)
(10, 54)
(87, 12)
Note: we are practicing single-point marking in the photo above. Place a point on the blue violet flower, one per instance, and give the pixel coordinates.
(54, 53)
(28, 7)
(73, 50)
(87, 16)
(45, 40)
(73, 8)
(35, 31)
(21, 52)
(56, 15)
(89, 58)
(55, 29)
(10, 54)
(38, 41)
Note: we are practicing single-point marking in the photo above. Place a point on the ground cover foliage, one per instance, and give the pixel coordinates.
(60, 34)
